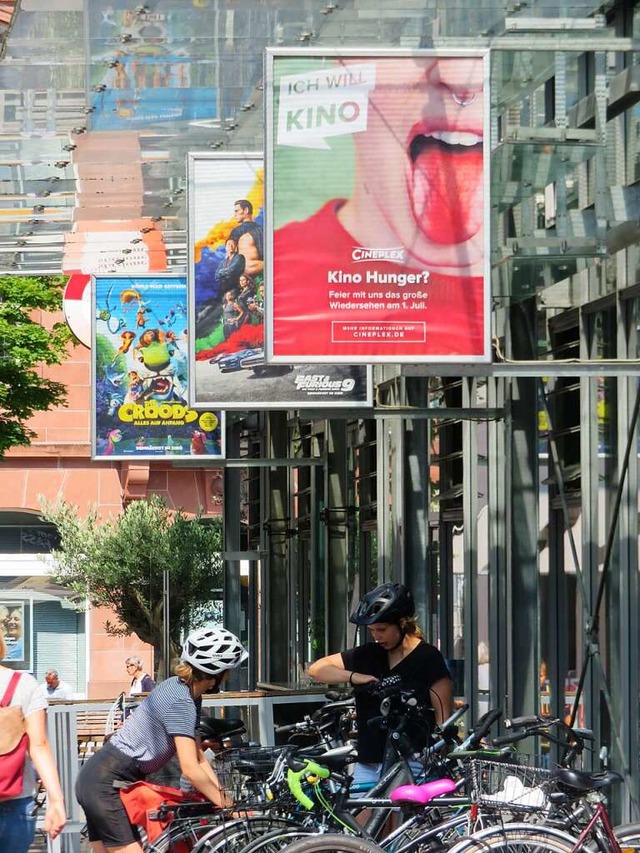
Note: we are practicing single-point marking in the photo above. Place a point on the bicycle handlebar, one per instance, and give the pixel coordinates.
(311, 773)
(481, 728)
(538, 726)
(450, 721)
(521, 722)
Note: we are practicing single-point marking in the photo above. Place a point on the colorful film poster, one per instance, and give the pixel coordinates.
(378, 206)
(227, 309)
(141, 374)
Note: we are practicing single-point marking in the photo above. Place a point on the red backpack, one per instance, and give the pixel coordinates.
(142, 800)
(14, 743)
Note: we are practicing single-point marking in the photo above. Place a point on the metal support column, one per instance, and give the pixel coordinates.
(523, 469)
(336, 516)
(416, 499)
(232, 538)
(499, 508)
(278, 528)
(470, 544)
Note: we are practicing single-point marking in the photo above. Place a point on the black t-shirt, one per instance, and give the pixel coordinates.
(419, 670)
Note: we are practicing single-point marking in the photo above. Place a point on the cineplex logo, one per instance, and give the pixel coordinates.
(360, 254)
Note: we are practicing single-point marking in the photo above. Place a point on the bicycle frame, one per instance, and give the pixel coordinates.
(599, 819)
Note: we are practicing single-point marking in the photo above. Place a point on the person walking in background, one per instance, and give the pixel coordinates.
(17, 821)
(397, 648)
(141, 682)
(55, 687)
(163, 725)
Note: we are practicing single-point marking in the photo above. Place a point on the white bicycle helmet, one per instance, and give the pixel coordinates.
(213, 650)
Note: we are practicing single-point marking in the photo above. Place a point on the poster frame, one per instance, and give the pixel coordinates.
(204, 458)
(272, 54)
(310, 402)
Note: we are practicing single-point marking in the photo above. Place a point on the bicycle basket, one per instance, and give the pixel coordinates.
(243, 770)
(518, 787)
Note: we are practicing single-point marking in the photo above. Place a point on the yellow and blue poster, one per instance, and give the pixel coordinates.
(141, 374)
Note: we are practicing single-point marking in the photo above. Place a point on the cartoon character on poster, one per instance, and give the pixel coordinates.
(141, 372)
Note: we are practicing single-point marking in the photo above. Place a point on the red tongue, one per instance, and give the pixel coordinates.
(445, 194)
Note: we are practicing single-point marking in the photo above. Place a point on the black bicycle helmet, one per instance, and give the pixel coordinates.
(389, 602)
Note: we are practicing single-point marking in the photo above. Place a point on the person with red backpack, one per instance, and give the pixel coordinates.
(25, 752)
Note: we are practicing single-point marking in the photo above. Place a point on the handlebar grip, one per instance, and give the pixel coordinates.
(487, 720)
(521, 722)
(459, 712)
(294, 780)
(290, 727)
(504, 740)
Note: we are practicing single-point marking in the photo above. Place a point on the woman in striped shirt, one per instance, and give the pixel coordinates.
(162, 726)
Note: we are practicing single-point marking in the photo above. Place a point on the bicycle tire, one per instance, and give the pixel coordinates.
(628, 835)
(275, 841)
(190, 832)
(240, 832)
(519, 838)
(330, 842)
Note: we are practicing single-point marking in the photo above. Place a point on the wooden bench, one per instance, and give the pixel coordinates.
(91, 726)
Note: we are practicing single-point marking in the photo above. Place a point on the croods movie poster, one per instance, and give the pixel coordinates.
(377, 206)
(226, 301)
(140, 373)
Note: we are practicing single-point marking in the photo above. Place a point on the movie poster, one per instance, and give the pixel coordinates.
(378, 206)
(141, 373)
(227, 306)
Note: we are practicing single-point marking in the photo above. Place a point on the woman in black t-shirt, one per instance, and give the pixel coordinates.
(397, 648)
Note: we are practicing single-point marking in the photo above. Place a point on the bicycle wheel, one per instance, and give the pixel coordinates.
(275, 841)
(181, 836)
(236, 834)
(330, 842)
(628, 835)
(519, 838)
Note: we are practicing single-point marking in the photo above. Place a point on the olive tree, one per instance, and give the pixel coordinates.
(124, 561)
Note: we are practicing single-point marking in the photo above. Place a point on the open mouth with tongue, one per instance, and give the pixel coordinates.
(445, 184)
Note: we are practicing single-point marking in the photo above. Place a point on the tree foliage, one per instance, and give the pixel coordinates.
(25, 346)
(120, 563)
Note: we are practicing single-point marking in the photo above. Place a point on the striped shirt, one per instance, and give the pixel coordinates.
(169, 711)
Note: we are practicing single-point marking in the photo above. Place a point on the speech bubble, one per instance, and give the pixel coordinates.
(317, 105)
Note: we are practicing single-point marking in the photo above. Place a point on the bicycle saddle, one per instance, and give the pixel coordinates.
(213, 728)
(422, 794)
(580, 780)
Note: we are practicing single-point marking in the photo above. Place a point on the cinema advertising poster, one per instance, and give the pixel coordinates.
(378, 197)
(227, 308)
(140, 373)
